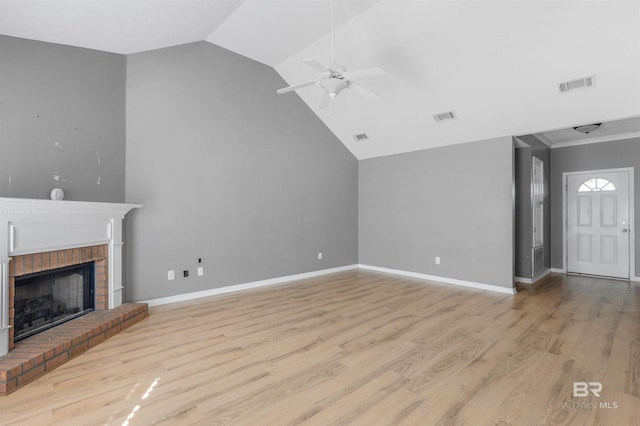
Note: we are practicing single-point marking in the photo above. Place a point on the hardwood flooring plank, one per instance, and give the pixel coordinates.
(353, 405)
(395, 408)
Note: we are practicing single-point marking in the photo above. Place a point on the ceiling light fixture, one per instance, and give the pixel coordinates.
(587, 128)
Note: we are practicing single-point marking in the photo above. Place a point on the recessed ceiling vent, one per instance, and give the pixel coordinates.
(361, 137)
(449, 115)
(581, 83)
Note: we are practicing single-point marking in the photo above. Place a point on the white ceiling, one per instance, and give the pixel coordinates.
(496, 63)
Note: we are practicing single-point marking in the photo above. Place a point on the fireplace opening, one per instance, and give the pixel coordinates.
(46, 299)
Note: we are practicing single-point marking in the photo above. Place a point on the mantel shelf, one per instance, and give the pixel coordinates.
(30, 205)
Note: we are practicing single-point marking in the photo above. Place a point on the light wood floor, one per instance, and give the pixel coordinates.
(359, 348)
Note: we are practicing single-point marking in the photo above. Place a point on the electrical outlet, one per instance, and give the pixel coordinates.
(200, 271)
(437, 260)
(185, 273)
(171, 275)
(319, 255)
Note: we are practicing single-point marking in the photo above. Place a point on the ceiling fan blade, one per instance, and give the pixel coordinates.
(296, 86)
(324, 101)
(364, 72)
(316, 65)
(365, 93)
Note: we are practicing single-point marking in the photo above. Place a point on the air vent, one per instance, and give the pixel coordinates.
(360, 137)
(580, 83)
(449, 115)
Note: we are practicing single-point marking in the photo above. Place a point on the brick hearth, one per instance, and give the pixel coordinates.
(39, 354)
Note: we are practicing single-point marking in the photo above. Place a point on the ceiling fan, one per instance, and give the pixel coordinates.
(335, 77)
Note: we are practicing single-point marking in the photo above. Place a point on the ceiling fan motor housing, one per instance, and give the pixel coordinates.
(337, 69)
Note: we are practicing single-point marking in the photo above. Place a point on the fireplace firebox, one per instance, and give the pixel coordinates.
(46, 299)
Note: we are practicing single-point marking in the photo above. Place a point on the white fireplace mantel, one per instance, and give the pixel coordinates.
(34, 226)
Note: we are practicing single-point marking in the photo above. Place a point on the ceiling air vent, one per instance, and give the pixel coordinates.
(449, 115)
(360, 137)
(580, 83)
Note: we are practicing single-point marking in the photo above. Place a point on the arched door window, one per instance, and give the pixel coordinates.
(596, 184)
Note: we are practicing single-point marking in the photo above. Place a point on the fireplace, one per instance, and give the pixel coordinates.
(45, 247)
(28, 269)
(46, 299)
(38, 235)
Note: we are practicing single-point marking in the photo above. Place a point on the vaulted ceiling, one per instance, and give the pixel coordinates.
(495, 63)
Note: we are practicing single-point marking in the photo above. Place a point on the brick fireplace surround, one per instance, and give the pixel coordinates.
(23, 226)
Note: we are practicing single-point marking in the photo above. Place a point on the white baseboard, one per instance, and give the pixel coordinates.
(445, 280)
(637, 279)
(542, 275)
(245, 286)
(534, 279)
(280, 280)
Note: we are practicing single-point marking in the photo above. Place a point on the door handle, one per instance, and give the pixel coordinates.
(625, 230)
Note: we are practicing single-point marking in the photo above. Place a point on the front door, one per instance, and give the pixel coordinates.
(598, 229)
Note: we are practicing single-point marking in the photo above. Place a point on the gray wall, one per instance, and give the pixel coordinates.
(455, 202)
(605, 155)
(523, 217)
(250, 181)
(62, 116)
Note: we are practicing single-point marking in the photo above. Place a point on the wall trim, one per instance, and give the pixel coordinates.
(542, 275)
(534, 279)
(444, 280)
(246, 286)
(280, 280)
(558, 270)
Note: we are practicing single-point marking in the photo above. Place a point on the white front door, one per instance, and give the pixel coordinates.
(598, 229)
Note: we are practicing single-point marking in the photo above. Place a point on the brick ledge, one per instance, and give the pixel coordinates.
(39, 354)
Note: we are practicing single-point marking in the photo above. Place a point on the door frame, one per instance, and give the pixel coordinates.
(632, 238)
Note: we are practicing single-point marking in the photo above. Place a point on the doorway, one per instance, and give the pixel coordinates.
(537, 214)
(598, 205)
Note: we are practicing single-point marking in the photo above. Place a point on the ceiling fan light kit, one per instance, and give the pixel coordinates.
(333, 86)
